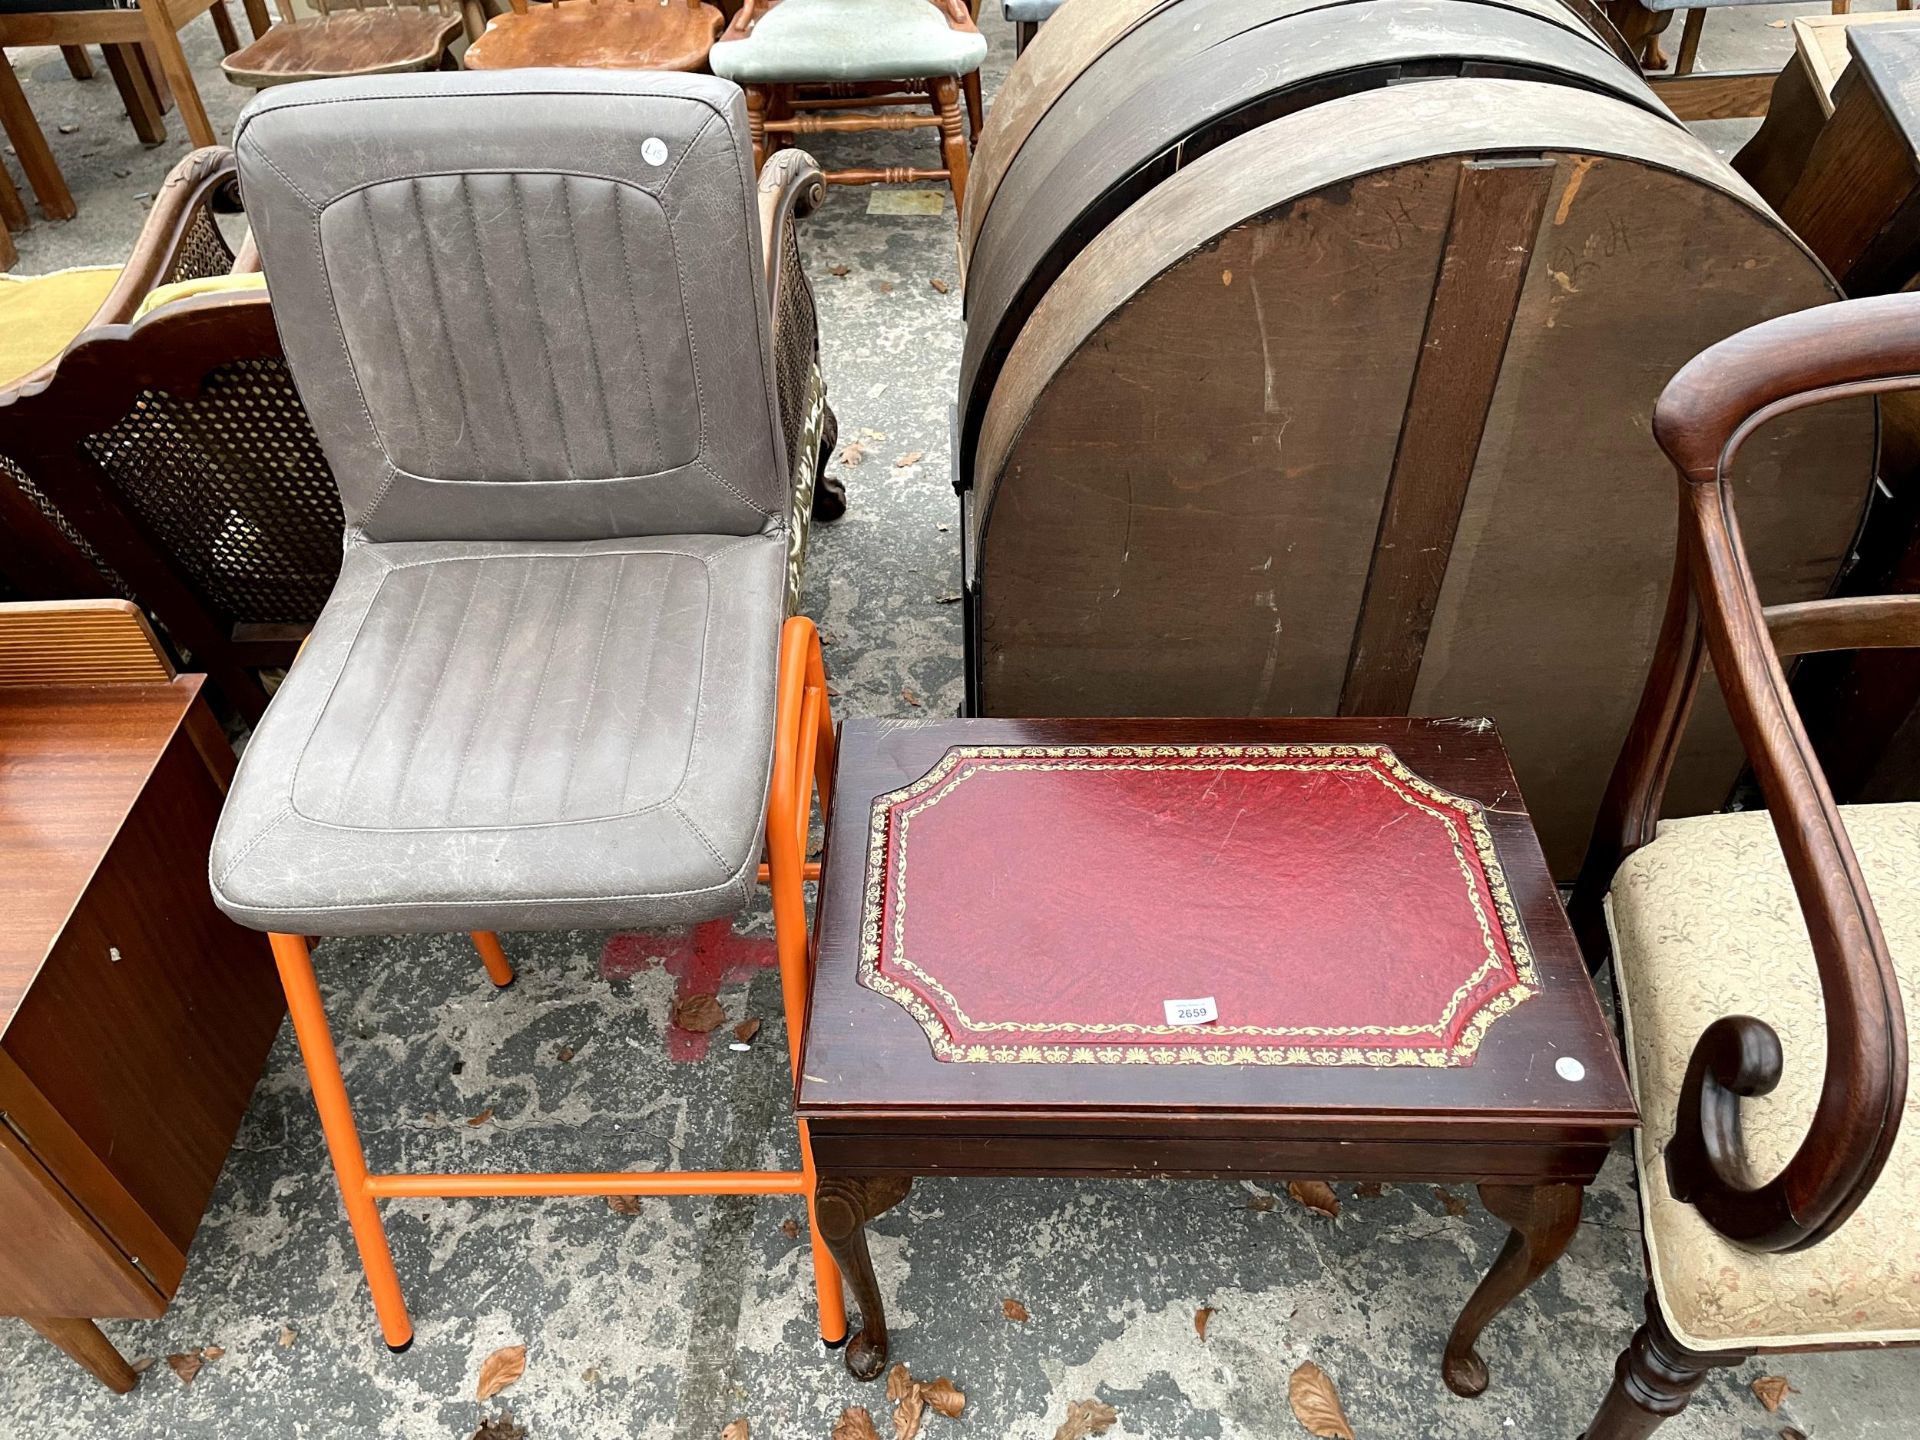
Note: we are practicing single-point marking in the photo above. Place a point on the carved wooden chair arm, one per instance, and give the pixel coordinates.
(179, 240)
(1854, 348)
(791, 188)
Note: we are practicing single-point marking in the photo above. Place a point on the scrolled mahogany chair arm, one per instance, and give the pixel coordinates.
(791, 188)
(1854, 348)
(178, 227)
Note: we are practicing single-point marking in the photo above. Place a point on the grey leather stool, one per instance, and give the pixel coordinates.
(528, 315)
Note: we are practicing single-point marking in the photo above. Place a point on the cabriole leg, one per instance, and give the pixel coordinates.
(1543, 1219)
(842, 1206)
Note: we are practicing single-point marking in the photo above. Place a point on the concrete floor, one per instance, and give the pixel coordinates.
(673, 1321)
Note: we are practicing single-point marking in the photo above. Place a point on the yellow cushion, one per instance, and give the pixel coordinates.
(41, 314)
(1705, 924)
(205, 285)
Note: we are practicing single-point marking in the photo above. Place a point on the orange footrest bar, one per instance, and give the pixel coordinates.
(663, 1182)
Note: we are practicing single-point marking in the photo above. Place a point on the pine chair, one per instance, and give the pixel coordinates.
(614, 35)
(803, 62)
(1764, 961)
(554, 688)
(351, 37)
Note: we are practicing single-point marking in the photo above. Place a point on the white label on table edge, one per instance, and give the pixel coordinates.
(1192, 1012)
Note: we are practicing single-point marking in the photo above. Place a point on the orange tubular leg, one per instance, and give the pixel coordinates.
(343, 1141)
(803, 761)
(499, 968)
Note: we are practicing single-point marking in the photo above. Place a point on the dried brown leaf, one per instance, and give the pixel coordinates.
(839, 272)
(912, 457)
(885, 287)
(899, 1382)
(211, 1352)
(1014, 1310)
(1772, 1391)
(911, 698)
(852, 453)
(1201, 1317)
(938, 284)
(746, 1030)
(501, 1369)
(565, 1054)
(1369, 1190)
(1087, 1417)
(702, 1014)
(1456, 1206)
(186, 1366)
(1790, 1433)
(624, 1204)
(1316, 1404)
(907, 1414)
(482, 1118)
(1316, 1195)
(790, 1228)
(945, 1396)
(1261, 1204)
(287, 1336)
(737, 1430)
(501, 1427)
(854, 1424)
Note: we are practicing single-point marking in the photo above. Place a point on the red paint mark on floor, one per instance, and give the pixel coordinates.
(701, 960)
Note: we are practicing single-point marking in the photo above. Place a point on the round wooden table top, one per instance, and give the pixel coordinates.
(626, 35)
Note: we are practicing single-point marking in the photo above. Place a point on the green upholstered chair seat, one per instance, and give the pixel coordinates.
(801, 41)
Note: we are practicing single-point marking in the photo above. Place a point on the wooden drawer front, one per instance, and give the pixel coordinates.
(53, 1260)
(150, 1023)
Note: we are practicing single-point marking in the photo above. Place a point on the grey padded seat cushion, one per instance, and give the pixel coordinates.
(1033, 11)
(515, 736)
(827, 40)
(511, 313)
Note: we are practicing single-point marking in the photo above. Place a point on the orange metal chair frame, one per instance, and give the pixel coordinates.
(802, 766)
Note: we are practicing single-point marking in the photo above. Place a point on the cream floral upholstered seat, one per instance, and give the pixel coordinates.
(1705, 924)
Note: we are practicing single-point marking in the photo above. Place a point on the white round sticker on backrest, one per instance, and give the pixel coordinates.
(654, 150)
(1568, 1068)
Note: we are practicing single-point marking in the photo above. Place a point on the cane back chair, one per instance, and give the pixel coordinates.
(1765, 962)
(163, 455)
(555, 687)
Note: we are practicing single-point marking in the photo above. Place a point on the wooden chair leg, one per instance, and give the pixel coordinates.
(79, 62)
(309, 1018)
(156, 77)
(223, 25)
(953, 137)
(1023, 33)
(259, 21)
(757, 124)
(179, 75)
(1842, 7)
(43, 172)
(976, 107)
(1653, 1381)
(13, 211)
(136, 93)
(83, 1343)
(1690, 41)
(9, 253)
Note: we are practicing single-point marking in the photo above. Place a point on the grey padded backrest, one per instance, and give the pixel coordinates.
(523, 305)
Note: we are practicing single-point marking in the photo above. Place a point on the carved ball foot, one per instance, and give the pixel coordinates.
(866, 1358)
(1466, 1375)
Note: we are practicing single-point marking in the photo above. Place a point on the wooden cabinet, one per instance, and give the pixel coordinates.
(134, 1016)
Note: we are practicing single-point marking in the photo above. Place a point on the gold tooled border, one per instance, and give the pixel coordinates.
(1375, 759)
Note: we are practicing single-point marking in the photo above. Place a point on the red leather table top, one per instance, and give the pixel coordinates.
(1007, 906)
(1334, 907)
